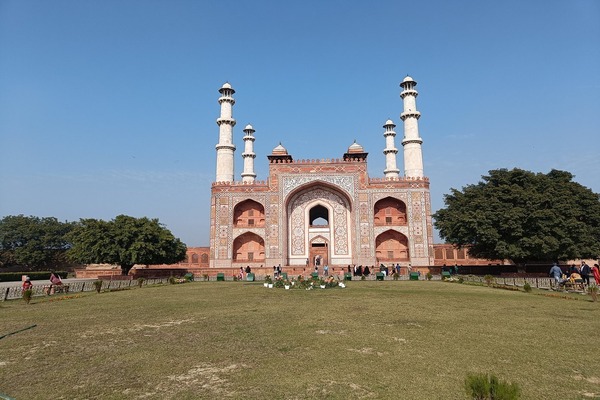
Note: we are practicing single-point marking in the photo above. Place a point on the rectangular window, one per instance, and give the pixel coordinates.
(250, 256)
(250, 222)
(388, 220)
(390, 255)
(449, 254)
(251, 213)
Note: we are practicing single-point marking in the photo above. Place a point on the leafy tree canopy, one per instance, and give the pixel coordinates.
(523, 216)
(124, 241)
(33, 242)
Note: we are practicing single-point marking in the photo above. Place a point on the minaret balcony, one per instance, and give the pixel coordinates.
(392, 150)
(220, 146)
(227, 99)
(407, 141)
(227, 121)
(410, 114)
(408, 92)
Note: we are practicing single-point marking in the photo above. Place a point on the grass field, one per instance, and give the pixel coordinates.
(373, 340)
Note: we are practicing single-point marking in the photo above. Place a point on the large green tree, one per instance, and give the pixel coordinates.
(124, 241)
(33, 242)
(523, 216)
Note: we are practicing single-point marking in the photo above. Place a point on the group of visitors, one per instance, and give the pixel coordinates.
(244, 272)
(575, 274)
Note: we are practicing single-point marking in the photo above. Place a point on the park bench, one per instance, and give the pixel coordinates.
(52, 289)
(577, 286)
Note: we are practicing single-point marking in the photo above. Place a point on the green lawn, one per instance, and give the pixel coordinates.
(374, 340)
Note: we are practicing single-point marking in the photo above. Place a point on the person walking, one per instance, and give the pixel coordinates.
(585, 273)
(556, 273)
(596, 272)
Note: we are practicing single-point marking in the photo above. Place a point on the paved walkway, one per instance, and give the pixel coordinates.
(44, 282)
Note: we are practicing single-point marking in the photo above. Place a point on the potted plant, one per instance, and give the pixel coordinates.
(287, 284)
(268, 281)
(321, 283)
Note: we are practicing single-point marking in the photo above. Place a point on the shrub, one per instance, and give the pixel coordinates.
(172, 280)
(205, 277)
(34, 275)
(489, 279)
(527, 287)
(395, 276)
(429, 276)
(27, 295)
(461, 279)
(484, 387)
(140, 281)
(363, 278)
(98, 285)
(268, 279)
(593, 291)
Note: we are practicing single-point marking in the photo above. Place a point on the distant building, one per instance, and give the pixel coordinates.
(321, 212)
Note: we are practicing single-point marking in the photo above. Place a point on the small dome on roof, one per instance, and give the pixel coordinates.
(355, 148)
(226, 85)
(279, 150)
(389, 122)
(408, 79)
(248, 127)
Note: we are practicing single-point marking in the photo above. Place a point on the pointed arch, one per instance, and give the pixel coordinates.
(389, 211)
(392, 246)
(249, 213)
(248, 247)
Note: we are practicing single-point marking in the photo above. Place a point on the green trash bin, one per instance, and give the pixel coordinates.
(284, 275)
(379, 276)
(250, 277)
(347, 277)
(315, 275)
(189, 277)
(414, 276)
(220, 276)
(445, 275)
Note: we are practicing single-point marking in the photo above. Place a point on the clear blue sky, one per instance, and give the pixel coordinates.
(109, 107)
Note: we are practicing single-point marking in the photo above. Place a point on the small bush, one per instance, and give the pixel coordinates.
(363, 278)
(98, 285)
(429, 276)
(527, 287)
(593, 291)
(172, 280)
(484, 387)
(489, 279)
(205, 277)
(395, 276)
(461, 280)
(140, 281)
(27, 295)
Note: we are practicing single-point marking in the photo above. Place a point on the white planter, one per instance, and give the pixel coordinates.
(287, 287)
(266, 284)
(270, 286)
(322, 286)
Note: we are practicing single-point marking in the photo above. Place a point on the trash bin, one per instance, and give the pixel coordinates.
(189, 277)
(379, 276)
(284, 275)
(347, 277)
(250, 277)
(220, 276)
(414, 276)
(445, 275)
(315, 275)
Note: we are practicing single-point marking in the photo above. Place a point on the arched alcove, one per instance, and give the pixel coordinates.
(389, 211)
(248, 247)
(391, 246)
(248, 214)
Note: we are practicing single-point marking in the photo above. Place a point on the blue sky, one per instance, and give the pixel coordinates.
(109, 107)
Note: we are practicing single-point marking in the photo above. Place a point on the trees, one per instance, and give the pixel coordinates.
(33, 242)
(125, 241)
(523, 216)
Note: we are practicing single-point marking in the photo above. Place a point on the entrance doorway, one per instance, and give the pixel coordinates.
(319, 253)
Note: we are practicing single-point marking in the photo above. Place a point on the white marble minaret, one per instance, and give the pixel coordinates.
(390, 151)
(248, 155)
(413, 156)
(225, 147)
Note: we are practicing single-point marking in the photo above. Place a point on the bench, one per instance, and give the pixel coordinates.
(51, 289)
(577, 286)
